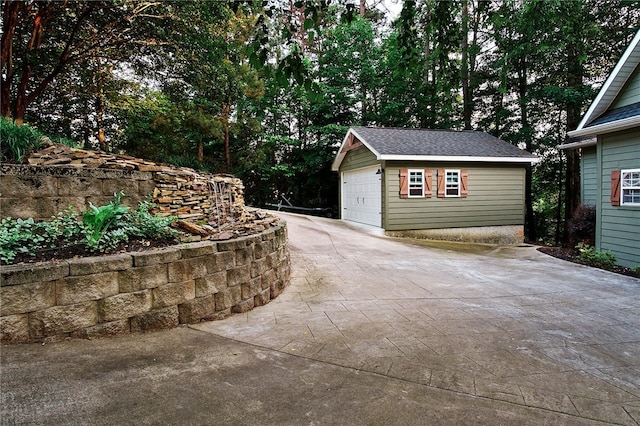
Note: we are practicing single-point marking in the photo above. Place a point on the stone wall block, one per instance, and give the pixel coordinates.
(251, 288)
(95, 265)
(262, 249)
(14, 328)
(146, 187)
(222, 262)
(21, 274)
(276, 288)
(244, 256)
(72, 290)
(105, 329)
(173, 294)
(197, 309)
(142, 278)
(201, 248)
(243, 306)
(258, 267)
(228, 298)
(156, 320)
(125, 305)
(156, 257)
(13, 185)
(233, 245)
(239, 275)
(71, 186)
(188, 269)
(268, 277)
(262, 298)
(129, 186)
(210, 284)
(62, 319)
(25, 298)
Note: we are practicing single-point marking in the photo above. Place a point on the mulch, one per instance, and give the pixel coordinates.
(571, 255)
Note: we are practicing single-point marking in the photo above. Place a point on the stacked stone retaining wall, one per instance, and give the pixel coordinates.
(143, 291)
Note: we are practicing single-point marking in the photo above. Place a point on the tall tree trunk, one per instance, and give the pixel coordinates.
(572, 180)
(529, 220)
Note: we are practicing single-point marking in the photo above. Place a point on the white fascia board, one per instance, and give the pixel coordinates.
(450, 158)
(613, 126)
(606, 96)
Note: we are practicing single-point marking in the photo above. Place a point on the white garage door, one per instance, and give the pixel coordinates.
(362, 196)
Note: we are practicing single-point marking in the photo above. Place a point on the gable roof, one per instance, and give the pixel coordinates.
(388, 143)
(599, 119)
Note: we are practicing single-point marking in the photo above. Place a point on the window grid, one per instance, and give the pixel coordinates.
(452, 183)
(416, 183)
(630, 187)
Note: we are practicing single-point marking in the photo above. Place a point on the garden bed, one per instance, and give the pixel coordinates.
(571, 255)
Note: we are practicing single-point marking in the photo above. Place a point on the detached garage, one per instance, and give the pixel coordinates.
(441, 184)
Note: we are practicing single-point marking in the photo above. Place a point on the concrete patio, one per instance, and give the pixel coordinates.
(371, 330)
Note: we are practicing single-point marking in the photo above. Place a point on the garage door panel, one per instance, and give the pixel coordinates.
(362, 196)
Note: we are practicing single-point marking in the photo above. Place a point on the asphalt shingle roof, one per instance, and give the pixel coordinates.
(617, 114)
(423, 142)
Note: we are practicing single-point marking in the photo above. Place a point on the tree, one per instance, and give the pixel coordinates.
(41, 39)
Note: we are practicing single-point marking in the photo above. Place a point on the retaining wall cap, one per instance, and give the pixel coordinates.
(23, 274)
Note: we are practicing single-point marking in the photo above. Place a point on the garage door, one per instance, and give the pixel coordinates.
(362, 196)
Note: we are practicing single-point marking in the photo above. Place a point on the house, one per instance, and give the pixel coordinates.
(439, 184)
(608, 138)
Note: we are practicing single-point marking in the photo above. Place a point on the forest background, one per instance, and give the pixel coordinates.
(266, 90)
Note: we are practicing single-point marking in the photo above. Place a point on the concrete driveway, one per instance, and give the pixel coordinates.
(373, 331)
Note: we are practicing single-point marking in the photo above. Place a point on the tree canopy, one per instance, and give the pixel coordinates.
(267, 90)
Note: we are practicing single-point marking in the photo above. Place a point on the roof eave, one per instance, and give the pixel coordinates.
(458, 158)
(613, 126)
(612, 85)
(335, 166)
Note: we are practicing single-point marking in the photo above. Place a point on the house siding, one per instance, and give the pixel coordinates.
(618, 227)
(357, 159)
(496, 198)
(589, 176)
(630, 94)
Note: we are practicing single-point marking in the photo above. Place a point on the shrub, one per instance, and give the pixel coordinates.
(17, 141)
(582, 225)
(592, 257)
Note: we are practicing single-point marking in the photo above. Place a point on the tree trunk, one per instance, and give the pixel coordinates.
(226, 111)
(572, 180)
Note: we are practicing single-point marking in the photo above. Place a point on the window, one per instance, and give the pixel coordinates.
(416, 183)
(630, 187)
(452, 183)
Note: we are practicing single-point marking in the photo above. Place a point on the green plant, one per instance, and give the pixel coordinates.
(592, 257)
(18, 236)
(143, 223)
(98, 220)
(17, 141)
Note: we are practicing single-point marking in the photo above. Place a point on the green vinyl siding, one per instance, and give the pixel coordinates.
(496, 197)
(357, 159)
(589, 176)
(630, 93)
(618, 227)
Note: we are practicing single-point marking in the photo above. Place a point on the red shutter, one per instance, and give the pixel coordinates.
(615, 188)
(441, 183)
(464, 191)
(404, 183)
(428, 183)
